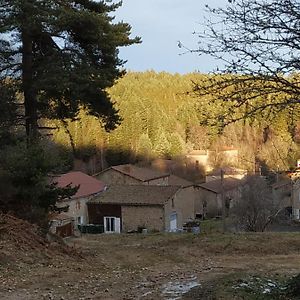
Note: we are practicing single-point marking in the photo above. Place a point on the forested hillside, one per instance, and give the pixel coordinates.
(162, 117)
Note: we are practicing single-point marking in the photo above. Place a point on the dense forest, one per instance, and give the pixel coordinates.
(163, 117)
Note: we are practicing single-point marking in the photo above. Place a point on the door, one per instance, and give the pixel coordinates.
(112, 225)
(173, 222)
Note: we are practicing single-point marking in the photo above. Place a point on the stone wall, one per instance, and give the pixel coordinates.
(150, 217)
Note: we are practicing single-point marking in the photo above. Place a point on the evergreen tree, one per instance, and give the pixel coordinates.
(62, 54)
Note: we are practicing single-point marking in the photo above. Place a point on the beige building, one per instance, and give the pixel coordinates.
(228, 172)
(123, 208)
(210, 195)
(88, 187)
(133, 175)
(295, 193)
(289, 190)
(282, 192)
(129, 174)
(209, 158)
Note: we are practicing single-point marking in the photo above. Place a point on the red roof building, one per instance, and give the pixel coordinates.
(88, 185)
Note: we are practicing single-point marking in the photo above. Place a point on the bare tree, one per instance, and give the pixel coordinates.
(257, 208)
(258, 43)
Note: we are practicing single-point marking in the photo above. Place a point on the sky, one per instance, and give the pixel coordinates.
(161, 24)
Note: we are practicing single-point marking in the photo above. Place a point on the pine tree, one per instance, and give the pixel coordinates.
(62, 54)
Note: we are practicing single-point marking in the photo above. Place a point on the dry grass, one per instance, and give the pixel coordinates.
(129, 266)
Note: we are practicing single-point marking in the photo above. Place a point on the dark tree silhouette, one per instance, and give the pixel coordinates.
(258, 45)
(62, 55)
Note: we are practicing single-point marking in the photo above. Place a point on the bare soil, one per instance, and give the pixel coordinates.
(137, 266)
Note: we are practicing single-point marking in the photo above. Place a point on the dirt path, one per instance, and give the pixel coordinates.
(148, 267)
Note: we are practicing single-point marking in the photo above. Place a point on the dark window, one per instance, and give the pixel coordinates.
(112, 224)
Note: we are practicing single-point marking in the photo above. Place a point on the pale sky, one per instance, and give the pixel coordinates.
(161, 24)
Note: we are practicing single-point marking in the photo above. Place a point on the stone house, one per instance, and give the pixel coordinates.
(188, 192)
(209, 158)
(132, 175)
(210, 195)
(76, 205)
(290, 187)
(123, 208)
(282, 194)
(295, 199)
(129, 174)
(295, 193)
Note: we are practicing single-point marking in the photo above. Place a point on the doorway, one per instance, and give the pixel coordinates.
(112, 225)
(173, 222)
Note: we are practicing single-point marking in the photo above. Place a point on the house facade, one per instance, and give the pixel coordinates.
(294, 178)
(282, 195)
(210, 195)
(76, 205)
(132, 175)
(124, 208)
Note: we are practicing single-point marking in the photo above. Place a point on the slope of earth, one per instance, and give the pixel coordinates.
(153, 266)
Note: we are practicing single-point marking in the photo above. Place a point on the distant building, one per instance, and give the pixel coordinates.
(132, 175)
(209, 158)
(210, 195)
(228, 172)
(129, 174)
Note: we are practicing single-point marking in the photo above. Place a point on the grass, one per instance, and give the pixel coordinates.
(211, 226)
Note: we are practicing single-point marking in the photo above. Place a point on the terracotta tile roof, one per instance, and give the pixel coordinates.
(178, 181)
(215, 185)
(88, 185)
(142, 174)
(136, 195)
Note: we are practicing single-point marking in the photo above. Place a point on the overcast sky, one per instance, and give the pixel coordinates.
(161, 24)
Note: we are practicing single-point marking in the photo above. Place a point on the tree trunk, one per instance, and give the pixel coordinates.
(30, 101)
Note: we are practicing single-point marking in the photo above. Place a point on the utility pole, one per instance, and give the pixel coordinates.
(223, 201)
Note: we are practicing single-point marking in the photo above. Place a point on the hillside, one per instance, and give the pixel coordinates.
(161, 117)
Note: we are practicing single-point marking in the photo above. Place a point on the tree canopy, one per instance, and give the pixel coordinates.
(57, 57)
(62, 55)
(161, 120)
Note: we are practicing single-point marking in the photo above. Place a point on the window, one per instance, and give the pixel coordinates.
(80, 220)
(110, 224)
(78, 205)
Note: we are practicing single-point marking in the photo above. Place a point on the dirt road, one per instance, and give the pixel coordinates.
(158, 266)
